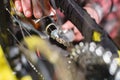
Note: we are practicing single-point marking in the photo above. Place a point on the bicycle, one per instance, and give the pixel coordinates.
(83, 60)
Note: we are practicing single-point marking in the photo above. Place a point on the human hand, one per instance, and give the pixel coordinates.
(78, 36)
(31, 7)
(68, 25)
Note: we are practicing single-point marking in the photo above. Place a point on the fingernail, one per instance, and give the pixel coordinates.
(28, 14)
(19, 8)
(38, 15)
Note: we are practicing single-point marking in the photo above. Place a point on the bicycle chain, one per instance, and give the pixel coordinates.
(93, 59)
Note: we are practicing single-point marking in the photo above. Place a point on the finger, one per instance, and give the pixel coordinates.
(47, 6)
(26, 6)
(37, 12)
(18, 5)
(78, 35)
(67, 25)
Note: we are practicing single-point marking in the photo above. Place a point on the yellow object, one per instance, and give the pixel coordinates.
(5, 71)
(12, 7)
(118, 57)
(119, 53)
(96, 36)
(35, 42)
(27, 77)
